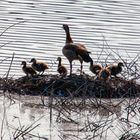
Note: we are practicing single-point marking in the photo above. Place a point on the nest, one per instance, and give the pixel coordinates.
(83, 86)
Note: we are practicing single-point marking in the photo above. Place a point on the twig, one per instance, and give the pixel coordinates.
(11, 26)
(10, 67)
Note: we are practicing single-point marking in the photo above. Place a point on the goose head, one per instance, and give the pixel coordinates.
(33, 60)
(120, 64)
(59, 59)
(23, 63)
(65, 27)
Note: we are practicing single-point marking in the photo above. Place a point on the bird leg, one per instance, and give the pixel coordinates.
(81, 61)
(81, 68)
(70, 68)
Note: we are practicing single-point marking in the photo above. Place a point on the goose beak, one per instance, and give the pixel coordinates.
(30, 61)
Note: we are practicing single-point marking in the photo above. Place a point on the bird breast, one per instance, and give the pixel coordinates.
(69, 53)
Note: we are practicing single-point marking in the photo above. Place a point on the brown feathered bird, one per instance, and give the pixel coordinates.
(61, 68)
(74, 51)
(115, 69)
(28, 70)
(95, 68)
(104, 74)
(39, 66)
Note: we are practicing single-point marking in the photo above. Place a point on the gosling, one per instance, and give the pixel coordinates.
(104, 74)
(115, 69)
(39, 66)
(95, 68)
(28, 70)
(62, 70)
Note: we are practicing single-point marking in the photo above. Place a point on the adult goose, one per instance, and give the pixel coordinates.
(28, 70)
(74, 51)
(95, 68)
(115, 69)
(62, 70)
(39, 66)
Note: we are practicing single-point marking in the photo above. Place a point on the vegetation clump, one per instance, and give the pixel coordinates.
(75, 86)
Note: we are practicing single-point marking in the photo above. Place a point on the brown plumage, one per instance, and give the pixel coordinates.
(27, 69)
(95, 68)
(104, 74)
(39, 66)
(61, 68)
(115, 69)
(74, 51)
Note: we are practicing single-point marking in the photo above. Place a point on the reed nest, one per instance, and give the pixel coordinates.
(83, 86)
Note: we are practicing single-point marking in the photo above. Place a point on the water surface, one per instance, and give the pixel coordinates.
(109, 121)
(100, 25)
(110, 29)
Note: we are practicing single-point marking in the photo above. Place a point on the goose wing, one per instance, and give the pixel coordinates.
(79, 50)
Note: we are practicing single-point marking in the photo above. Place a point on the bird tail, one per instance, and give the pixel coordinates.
(86, 57)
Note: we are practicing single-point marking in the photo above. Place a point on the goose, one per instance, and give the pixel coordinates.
(95, 68)
(39, 66)
(104, 74)
(115, 69)
(62, 70)
(74, 51)
(27, 69)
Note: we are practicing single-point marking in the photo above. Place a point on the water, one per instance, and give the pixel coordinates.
(106, 122)
(92, 23)
(108, 26)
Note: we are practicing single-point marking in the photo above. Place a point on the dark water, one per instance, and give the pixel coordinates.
(99, 24)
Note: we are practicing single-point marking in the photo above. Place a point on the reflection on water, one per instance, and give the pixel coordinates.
(41, 34)
(109, 120)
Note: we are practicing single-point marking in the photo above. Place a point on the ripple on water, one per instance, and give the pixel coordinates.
(91, 22)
